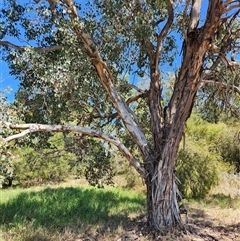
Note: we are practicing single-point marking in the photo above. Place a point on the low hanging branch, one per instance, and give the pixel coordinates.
(32, 128)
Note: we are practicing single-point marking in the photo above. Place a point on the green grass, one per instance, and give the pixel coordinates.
(39, 215)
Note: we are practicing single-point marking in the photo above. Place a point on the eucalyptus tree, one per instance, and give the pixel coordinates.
(77, 62)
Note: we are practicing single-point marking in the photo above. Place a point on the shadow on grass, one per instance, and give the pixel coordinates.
(59, 208)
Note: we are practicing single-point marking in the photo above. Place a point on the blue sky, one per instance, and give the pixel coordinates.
(6, 80)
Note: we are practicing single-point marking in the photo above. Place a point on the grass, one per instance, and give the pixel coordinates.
(74, 211)
(51, 213)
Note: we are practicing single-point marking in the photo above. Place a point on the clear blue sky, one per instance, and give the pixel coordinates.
(6, 80)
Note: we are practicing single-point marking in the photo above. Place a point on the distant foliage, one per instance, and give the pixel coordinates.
(45, 166)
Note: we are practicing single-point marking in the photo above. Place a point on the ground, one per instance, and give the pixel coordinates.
(214, 218)
(201, 227)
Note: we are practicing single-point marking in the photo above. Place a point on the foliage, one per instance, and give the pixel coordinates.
(216, 104)
(63, 160)
(7, 162)
(8, 158)
(222, 138)
(197, 172)
(45, 166)
(92, 159)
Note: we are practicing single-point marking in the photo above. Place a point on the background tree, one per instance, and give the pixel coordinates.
(73, 71)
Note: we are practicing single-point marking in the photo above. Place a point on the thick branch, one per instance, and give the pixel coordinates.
(184, 20)
(231, 8)
(106, 78)
(189, 77)
(130, 100)
(229, 2)
(37, 49)
(31, 128)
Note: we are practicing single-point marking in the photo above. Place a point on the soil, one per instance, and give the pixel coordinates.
(200, 227)
(197, 230)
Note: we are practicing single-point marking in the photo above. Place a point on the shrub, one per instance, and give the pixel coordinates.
(197, 172)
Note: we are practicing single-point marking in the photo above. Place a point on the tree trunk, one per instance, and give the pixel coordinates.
(167, 128)
(162, 192)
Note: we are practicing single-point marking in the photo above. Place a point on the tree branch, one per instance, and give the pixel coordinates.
(184, 20)
(111, 116)
(231, 8)
(131, 86)
(136, 97)
(229, 2)
(223, 85)
(164, 32)
(195, 14)
(106, 78)
(31, 128)
(37, 49)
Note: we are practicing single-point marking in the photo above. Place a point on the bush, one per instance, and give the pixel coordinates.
(7, 163)
(199, 162)
(197, 172)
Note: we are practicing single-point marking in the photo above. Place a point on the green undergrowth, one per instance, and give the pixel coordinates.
(34, 215)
